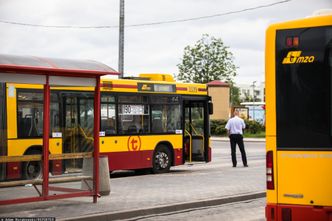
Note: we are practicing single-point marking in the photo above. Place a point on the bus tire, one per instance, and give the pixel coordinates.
(162, 159)
(32, 169)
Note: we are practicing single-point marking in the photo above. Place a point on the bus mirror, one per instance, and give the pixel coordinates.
(210, 106)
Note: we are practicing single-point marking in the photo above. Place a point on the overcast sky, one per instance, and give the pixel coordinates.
(148, 49)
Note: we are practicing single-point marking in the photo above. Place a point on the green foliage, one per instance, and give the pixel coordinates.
(221, 130)
(218, 127)
(235, 95)
(252, 127)
(209, 59)
(247, 98)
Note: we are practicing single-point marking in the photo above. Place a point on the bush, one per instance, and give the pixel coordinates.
(221, 130)
(254, 127)
(218, 127)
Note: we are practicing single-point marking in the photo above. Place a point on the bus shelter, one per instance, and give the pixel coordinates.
(47, 73)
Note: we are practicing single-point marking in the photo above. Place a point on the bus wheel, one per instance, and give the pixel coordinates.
(32, 169)
(161, 159)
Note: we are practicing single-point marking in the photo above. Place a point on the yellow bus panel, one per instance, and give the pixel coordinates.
(304, 177)
(17, 147)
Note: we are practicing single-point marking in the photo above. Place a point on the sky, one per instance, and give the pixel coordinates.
(148, 49)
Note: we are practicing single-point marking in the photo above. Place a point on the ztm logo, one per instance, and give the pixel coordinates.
(294, 57)
(146, 87)
(134, 143)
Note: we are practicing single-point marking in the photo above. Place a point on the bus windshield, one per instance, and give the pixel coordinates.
(303, 85)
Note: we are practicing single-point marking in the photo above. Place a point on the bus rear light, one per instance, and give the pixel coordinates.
(289, 42)
(292, 42)
(295, 41)
(269, 171)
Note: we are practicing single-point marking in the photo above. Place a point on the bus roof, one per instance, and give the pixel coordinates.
(54, 66)
(312, 21)
(152, 83)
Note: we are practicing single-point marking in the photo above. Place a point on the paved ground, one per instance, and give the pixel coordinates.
(186, 184)
(252, 210)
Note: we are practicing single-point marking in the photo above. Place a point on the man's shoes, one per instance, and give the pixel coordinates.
(234, 165)
(246, 165)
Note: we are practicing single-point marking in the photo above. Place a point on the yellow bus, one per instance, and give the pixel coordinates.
(148, 122)
(299, 119)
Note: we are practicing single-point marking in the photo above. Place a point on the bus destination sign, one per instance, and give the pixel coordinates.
(156, 87)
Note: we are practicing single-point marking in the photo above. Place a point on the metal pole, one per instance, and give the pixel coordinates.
(121, 38)
(253, 96)
(46, 131)
(96, 130)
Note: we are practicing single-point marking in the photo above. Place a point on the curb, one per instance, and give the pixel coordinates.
(165, 209)
(244, 139)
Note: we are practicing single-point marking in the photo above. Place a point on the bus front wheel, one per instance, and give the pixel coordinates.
(32, 169)
(161, 159)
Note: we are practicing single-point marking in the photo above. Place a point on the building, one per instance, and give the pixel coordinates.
(220, 94)
(252, 90)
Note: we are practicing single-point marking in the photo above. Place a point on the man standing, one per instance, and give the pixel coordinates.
(235, 127)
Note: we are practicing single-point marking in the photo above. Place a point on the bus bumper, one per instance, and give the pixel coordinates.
(283, 212)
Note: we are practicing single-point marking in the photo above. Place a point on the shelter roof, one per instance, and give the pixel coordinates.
(53, 66)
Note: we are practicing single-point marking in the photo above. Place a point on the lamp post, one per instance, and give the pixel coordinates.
(253, 97)
(121, 38)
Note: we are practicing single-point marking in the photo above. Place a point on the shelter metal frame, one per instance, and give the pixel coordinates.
(55, 72)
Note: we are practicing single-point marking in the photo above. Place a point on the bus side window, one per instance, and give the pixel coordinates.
(132, 129)
(133, 118)
(108, 115)
(24, 125)
(108, 126)
(157, 126)
(30, 113)
(166, 118)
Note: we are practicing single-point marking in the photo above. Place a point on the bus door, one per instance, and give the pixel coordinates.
(78, 127)
(196, 131)
(3, 137)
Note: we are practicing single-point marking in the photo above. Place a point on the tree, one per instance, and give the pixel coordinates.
(209, 59)
(247, 97)
(235, 95)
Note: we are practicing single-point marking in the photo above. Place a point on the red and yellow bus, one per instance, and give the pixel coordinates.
(299, 119)
(148, 122)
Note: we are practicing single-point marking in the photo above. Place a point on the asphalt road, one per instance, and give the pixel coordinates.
(250, 210)
(222, 152)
